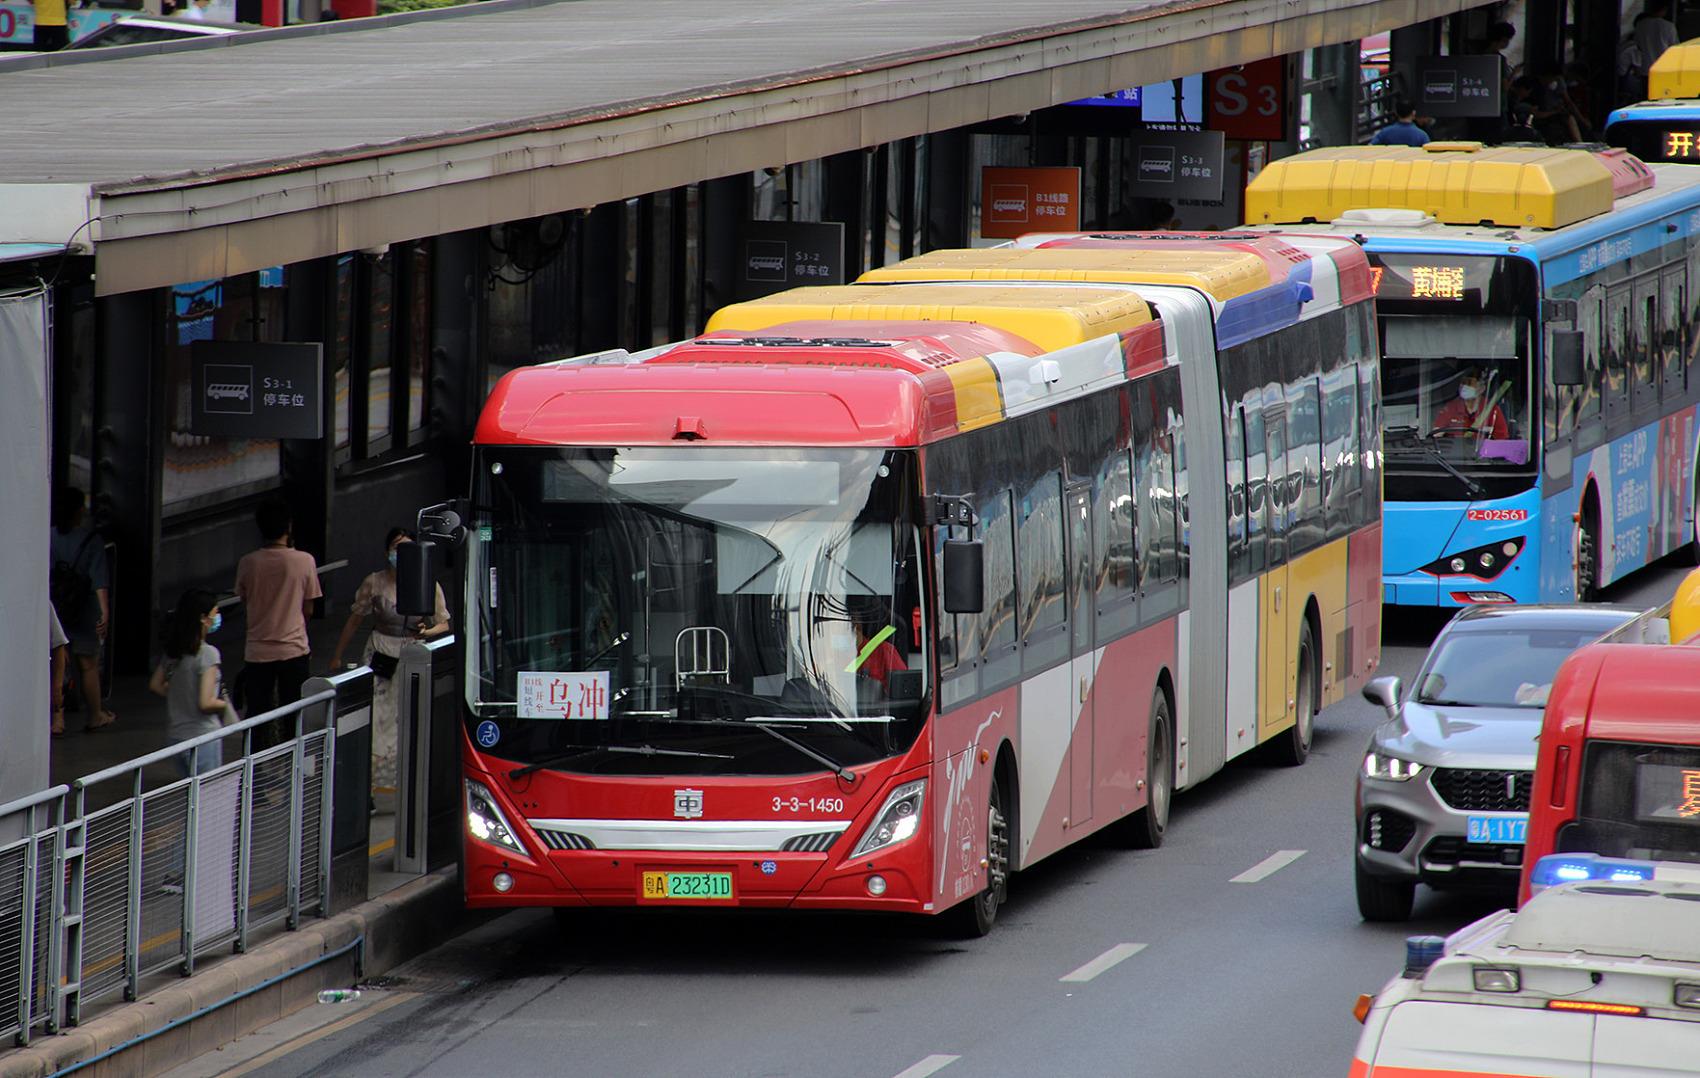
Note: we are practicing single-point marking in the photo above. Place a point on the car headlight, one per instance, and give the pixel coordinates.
(484, 821)
(1379, 765)
(898, 819)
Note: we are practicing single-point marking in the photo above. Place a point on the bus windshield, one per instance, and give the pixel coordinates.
(1455, 393)
(1639, 801)
(1457, 355)
(696, 611)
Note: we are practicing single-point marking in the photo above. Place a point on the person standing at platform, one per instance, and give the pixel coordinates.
(391, 632)
(277, 585)
(80, 587)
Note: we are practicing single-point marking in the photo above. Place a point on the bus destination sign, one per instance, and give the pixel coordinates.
(1680, 145)
(1420, 281)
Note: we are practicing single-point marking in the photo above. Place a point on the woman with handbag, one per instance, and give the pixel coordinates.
(390, 633)
(188, 676)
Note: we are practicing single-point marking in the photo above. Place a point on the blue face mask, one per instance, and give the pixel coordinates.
(217, 621)
(392, 559)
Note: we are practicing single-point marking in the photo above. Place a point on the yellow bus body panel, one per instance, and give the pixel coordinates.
(1223, 274)
(1051, 318)
(979, 402)
(1676, 73)
(1512, 186)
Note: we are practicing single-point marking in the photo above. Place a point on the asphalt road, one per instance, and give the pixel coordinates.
(1227, 952)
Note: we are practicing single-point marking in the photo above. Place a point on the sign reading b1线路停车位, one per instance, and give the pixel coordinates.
(254, 389)
(1015, 201)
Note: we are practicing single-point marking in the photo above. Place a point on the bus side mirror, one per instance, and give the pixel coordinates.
(415, 590)
(1565, 360)
(964, 576)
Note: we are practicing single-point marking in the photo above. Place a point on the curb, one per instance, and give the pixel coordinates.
(245, 992)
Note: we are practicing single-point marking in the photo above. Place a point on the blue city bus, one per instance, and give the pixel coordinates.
(1568, 309)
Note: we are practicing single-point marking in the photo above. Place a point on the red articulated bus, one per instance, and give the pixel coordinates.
(872, 595)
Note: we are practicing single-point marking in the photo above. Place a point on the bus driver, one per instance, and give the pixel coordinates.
(1464, 415)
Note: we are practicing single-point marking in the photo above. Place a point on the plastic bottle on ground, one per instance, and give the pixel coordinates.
(339, 995)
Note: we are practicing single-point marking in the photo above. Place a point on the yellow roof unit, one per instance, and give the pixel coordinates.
(1221, 273)
(1051, 318)
(1676, 73)
(1460, 183)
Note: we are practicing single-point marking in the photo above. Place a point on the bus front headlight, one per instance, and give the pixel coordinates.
(898, 819)
(484, 821)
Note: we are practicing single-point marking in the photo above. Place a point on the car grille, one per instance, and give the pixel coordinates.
(1472, 790)
(1387, 830)
(1450, 850)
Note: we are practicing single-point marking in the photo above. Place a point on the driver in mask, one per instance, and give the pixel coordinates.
(1463, 414)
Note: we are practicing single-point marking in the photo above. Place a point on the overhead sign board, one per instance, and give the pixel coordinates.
(248, 389)
(1015, 201)
(1458, 85)
(1178, 165)
(777, 255)
(1249, 101)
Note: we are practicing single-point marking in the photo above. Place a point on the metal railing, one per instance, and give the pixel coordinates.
(162, 876)
(29, 895)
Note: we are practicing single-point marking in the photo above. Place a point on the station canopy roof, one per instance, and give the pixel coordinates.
(192, 160)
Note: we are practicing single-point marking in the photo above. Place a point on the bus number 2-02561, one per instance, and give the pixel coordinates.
(811, 804)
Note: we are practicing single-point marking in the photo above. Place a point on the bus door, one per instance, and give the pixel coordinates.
(1083, 609)
(1278, 501)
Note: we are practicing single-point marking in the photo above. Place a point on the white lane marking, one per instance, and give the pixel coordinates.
(1267, 867)
(931, 1065)
(1121, 952)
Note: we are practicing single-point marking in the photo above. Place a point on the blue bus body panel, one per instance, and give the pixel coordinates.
(1415, 534)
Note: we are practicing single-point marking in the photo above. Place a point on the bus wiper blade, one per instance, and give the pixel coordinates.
(630, 750)
(1476, 489)
(818, 757)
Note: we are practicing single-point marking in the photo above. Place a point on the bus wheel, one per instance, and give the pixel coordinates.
(974, 918)
(1587, 560)
(1292, 749)
(1144, 829)
(1383, 900)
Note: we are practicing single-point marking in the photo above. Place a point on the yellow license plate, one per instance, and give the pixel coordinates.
(687, 886)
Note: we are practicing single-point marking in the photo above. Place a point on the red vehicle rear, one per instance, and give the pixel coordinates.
(1618, 772)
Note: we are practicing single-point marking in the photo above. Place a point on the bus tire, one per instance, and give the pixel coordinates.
(1143, 830)
(1588, 555)
(975, 918)
(1383, 900)
(1292, 748)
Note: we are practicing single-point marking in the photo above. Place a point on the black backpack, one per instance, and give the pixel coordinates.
(70, 588)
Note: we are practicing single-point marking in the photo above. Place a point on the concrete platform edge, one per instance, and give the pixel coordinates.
(395, 926)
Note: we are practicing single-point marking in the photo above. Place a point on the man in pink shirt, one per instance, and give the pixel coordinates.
(277, 585)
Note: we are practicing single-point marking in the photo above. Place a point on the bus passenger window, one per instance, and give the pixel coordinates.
(1039, 548)
(1343, 481)
(1235, 431)
(997, 620)
(1618, 346)
(1257, 493)
(1113, 523)
(1304, 462)
(1671, 307)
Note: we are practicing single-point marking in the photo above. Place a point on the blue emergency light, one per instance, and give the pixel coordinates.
(1560, 868)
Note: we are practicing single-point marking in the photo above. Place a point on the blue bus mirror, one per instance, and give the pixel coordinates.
(1564, 359)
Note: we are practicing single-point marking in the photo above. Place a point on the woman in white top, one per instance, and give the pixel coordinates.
(189, 678)
(390, 633)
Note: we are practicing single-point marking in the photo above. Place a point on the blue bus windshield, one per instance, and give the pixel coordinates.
(1456, 376)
